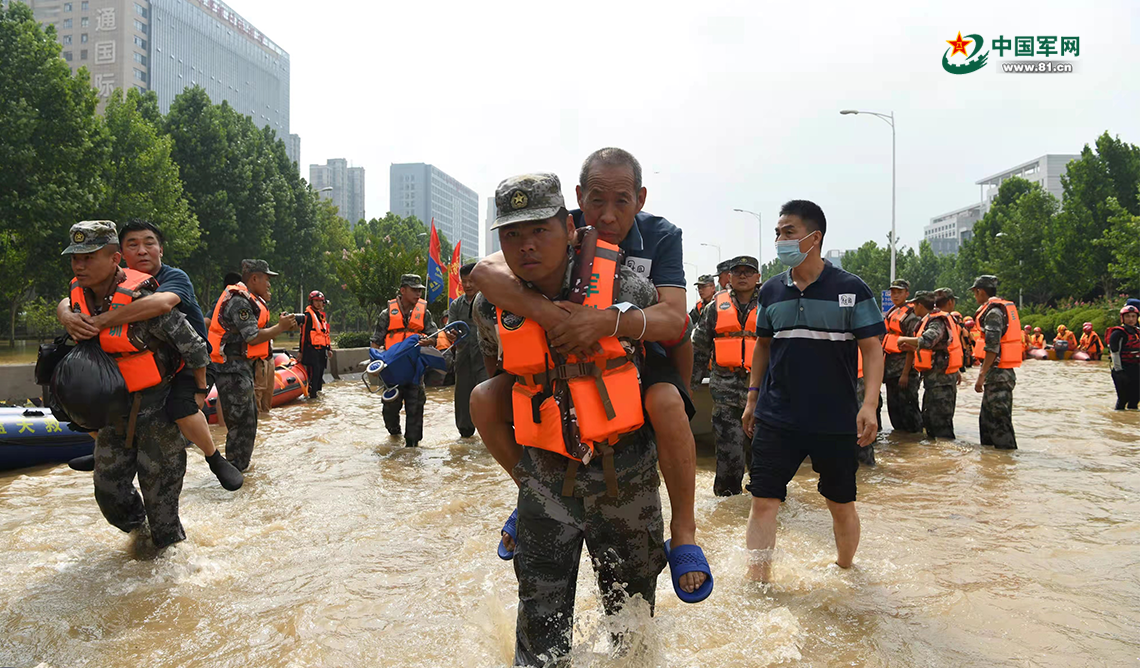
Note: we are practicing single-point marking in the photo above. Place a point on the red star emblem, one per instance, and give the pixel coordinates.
(959, 45)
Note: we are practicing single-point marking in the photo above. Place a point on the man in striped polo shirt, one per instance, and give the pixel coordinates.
(811, 323)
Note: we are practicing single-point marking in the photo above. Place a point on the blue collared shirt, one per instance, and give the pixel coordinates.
(176, 281)
(813, 358)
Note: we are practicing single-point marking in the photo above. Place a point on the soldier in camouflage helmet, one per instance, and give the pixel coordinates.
(723, 331)
(997, 377)
(611, 503)
(145, 442)
(240, 337)
(706, 288)
(937, 334)
(406, 314)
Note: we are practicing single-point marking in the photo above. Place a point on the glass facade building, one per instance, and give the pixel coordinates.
(427, 192)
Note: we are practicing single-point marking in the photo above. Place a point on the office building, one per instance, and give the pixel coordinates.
(492, 244)
(834, 256)
(170, 45)
(427, 192)
(293, 150)
(344, 184)
(948, 231)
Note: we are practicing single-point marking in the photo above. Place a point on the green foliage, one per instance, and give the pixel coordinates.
(353, 339)
(50, 150)
(40, 320)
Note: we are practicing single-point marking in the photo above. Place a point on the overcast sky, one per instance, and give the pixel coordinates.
(726, 104)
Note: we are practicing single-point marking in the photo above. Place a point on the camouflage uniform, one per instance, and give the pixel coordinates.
(624, 533)
(941, 395)
(902, 403)
(157, 455)
(235, 378)
(729, 390)
(468, 363)
(412, 397)
(995, 420)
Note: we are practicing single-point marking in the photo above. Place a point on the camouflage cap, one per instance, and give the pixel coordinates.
(526, 198)
(985, 281)
(256, 267)
(705, 279)
(743, 261)
(943, 294)
(89, 236)
(412, 281)
(924, 297)
(901, 284)
(723, 267)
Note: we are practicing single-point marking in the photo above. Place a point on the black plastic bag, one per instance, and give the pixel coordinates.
(87, 385)
(49, 356)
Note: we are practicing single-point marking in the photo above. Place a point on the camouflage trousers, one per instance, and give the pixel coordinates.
(412, 398)
(158, 456)
(866, 456)
(733, 447)
(624, 535)
(902, 404)
(995, 420)
(467, 376)
(938, 404)
(236, 397)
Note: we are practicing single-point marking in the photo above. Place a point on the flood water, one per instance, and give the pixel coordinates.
(346, 549)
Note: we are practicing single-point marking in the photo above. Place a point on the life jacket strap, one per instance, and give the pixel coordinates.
(134, 416)
(571, 474)
(608, 469)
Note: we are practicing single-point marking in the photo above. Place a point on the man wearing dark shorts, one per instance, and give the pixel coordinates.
(812, 322)
(611, 196)
(141, 243)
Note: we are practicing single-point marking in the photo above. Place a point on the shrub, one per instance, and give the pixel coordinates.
(353, 339)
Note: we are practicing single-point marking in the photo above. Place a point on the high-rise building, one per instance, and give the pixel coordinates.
(293, 149)
(341, 184)
(492, 245)
(948, 231)
(170, 45)
(426, 192)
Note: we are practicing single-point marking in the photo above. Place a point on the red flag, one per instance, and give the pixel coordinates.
(454, 285)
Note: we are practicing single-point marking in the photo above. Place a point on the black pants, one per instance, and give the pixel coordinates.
(1127, 382)
(412, 397)
(315, 364)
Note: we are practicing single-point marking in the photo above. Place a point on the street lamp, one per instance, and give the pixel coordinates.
(717, 250)
(759, 235)
(889, 119)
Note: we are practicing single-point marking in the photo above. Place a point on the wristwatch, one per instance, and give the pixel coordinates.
(202, 390)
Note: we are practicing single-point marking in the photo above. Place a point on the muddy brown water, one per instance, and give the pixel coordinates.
(346, 549)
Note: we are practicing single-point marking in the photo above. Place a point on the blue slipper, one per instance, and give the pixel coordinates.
(511, 529)
(689, 559)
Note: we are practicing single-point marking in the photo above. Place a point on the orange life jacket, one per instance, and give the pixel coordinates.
(860, 363)
(397, 329)
(257, 350)
(136, 362)
(605, 390)
(318, 329)
(894, 319)
(1011, 352)
(924, 359)
(1070, 337)
(1091, 343)
(1037, 341)
(733, 344)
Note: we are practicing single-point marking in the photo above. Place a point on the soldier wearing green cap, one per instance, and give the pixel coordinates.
(899, 376)
(1001, 329)
(241, 340)
(936, 343)
(706, 288)
(726, 336)
(722, 275)
(610, 501)
(144, 442)
(406, 314)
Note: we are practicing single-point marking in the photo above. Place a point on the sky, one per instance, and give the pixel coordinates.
(725, 104)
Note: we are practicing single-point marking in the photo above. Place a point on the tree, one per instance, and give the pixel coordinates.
(1123, 242)
(50, 148)
(872, 263)
(141, 178)
(1017, 251)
